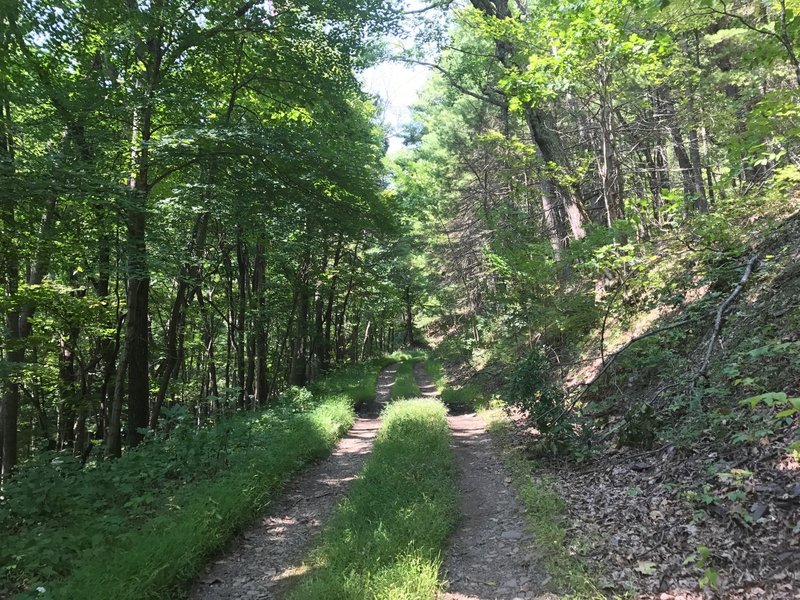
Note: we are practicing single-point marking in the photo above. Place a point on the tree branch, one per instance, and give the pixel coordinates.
(613, 357)
(751, 264)
(499, 102)
(436, 5)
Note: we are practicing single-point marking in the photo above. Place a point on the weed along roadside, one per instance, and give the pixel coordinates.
(405, 386)
(268, 555)
(178, 499)
(490, 555)
(387, 536)
(544, 516)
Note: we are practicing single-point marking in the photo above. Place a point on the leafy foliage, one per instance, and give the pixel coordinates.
(533, 389)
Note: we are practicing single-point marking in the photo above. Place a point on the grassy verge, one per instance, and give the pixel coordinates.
(143, 525)
(466, 396)
(356, 381)
(403, 355)
(386, 537)
(545, 512)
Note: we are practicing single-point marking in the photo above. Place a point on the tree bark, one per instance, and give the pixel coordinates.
(259, 289)
(298, 374)
(9, 409)
(113, 440)
(188, 278)
(325, 358)
(409, 316)
(560, 201)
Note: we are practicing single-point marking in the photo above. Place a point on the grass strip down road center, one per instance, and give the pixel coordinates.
(405, 384)
(386, 538)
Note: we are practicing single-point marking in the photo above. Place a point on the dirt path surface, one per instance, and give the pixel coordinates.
(266, 557)
(491, 554)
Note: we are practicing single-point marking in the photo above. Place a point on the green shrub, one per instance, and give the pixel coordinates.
(638, 428)
(532, 390)
(295, 398)
(469, 396)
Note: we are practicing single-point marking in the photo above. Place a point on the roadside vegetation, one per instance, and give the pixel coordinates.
(545, 515)
(177, 497)
(457, 397)
(606, 236)
(386, 537)
(595, 217)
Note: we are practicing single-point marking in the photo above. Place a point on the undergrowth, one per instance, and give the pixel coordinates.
(386, 536)
(141, 526)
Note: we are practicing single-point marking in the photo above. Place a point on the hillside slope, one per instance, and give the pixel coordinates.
(680, 468)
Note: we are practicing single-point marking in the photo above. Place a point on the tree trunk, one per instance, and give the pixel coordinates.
(700, 202)
(137, 330)
(366, 339)
(409, 308)
(325, 359)
(299, 347)
(114, 429)
(340, 320)
(259, 289)
(188, 278)
(551, 151)
(556, 195)
(241, 317)
(9, 409)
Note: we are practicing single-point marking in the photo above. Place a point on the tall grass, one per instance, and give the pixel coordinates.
(356, 381)
(386, 537)
(435, 371)
(143, 525)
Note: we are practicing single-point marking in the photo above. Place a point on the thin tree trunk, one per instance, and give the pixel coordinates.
(259, 289)
(409, 314)
(241, 318)
(190, 274)
(114, 431)
(9, 409)
(325, 359)
(137, 330)
(298, 375)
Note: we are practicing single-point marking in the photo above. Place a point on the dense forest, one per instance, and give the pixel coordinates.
(180, 223)
(592, 222)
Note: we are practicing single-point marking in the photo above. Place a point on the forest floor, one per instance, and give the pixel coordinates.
(491, 555)
(266, 558)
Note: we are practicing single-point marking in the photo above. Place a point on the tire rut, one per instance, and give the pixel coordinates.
(265, 559)
(491, 555)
